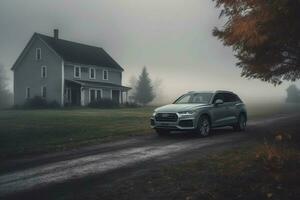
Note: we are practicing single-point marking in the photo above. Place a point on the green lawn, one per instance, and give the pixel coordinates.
(39, 131)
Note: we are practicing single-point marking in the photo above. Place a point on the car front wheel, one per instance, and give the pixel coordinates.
(203, 128)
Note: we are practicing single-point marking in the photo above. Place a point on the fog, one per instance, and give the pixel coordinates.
(171, 37)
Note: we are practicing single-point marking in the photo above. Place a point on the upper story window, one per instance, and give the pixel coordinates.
(92, 73)
(77, 72)
(38, 54)
(44, 72)
(105, 74)
(27, 95)
(44, 91)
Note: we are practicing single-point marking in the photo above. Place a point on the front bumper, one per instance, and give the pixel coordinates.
(182, 123)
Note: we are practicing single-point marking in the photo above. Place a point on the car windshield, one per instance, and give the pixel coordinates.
(194, 98)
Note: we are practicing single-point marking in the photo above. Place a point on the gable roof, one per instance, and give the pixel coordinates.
(79, 53)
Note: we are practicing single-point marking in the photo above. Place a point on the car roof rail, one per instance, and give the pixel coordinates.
(224, 91)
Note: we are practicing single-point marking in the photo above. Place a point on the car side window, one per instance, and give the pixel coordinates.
(228, 97)
(218, 96)
(237, 99)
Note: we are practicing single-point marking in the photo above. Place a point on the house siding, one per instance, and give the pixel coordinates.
(27, 73)
(114, 76)
(106, 93)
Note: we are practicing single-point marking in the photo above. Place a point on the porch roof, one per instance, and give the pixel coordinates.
(94, 84)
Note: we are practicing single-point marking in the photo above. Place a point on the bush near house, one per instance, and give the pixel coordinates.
(104, 103)
(38, 102)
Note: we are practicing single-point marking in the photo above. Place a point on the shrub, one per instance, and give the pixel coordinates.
(131, 105)
(53, 104)
(38, 102)
(275, 154)
(104, 103)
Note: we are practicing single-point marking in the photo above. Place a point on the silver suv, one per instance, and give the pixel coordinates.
(201, 111)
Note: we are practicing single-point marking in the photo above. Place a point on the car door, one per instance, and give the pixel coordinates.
(218, 112)
(230, 105)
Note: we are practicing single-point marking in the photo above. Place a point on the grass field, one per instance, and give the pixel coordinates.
(39, 131)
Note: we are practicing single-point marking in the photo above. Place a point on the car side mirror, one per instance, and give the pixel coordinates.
(219, 101)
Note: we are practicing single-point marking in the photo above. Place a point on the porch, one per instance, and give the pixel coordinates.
(81, 93)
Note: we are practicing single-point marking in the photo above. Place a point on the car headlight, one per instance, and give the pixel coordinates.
(153, 115)
(187, 113)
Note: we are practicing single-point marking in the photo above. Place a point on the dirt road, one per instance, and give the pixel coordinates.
(33, 173)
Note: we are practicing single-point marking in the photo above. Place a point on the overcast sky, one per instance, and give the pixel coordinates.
(171, 37)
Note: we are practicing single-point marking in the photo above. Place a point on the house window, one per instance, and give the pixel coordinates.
(77, 71)
(27, 95)
(44, 91)
(38, 54)
(44, 72)
(95, 95)
(92, 73)
(105, 75)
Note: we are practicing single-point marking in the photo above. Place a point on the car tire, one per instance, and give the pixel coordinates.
(204, 126)
(241, 123)
(162, 132)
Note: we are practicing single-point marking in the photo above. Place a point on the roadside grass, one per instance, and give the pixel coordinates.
(268, 169)
(265, 169)
(39, 131)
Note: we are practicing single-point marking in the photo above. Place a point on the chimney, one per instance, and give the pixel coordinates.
(55, 32)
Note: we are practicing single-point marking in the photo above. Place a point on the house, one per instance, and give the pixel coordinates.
(66, 72)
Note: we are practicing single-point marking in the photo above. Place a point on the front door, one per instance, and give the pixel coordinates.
(75, 96)
(219, 111)
(92, 95)
(115, 95)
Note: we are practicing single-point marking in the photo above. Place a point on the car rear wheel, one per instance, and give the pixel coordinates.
(162, 132)
(241, 124)
(203, 128)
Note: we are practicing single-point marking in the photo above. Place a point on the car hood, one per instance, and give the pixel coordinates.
(179, 107)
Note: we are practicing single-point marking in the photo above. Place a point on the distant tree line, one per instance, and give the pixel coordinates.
(293, 94)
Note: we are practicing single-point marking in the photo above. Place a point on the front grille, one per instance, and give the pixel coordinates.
(186, 123)
(166, 117)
